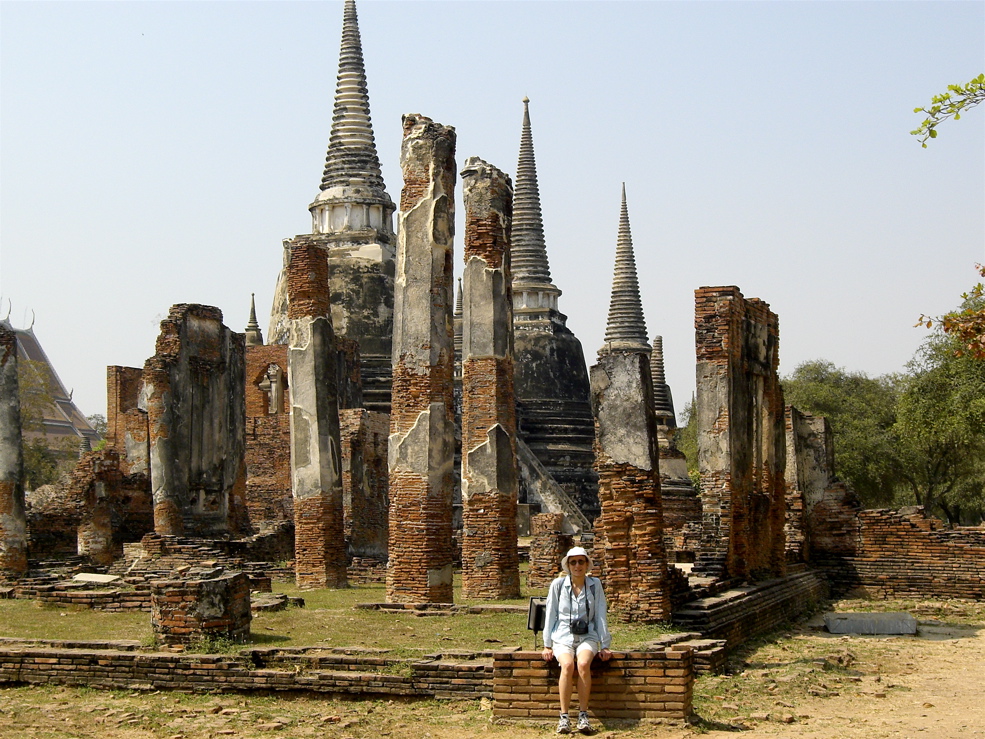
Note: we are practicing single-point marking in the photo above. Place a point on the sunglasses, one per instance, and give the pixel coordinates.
(577, 562)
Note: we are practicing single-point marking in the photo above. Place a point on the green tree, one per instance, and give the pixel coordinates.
(966, 324)
(44, 461)
(949, 105)
(862, 414)
(941, 430)
(686, 438)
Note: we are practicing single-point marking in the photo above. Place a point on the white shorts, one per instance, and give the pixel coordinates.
(588, 645)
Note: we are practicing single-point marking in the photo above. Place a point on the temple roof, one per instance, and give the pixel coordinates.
(61, 418)
(626, 327)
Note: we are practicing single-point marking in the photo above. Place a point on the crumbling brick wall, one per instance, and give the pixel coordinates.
(809, 472)
(741, 449)
(886, 553)
(548, 545)
(215, 605)
(268, 436)
(115, 508)
(365, 487)
(126, 422)
(193, 388)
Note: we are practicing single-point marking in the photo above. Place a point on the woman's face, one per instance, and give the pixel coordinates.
(577, 564)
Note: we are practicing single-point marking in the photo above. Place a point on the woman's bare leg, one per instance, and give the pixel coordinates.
(566, 683)
(585, 658)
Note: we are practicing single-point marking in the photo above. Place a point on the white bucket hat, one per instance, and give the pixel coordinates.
(576, 552)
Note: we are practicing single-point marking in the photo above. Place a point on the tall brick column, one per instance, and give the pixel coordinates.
(422, 419)
(316, 457)
(548, 545)
(741, 435)
(632, 551)
(626, 458)
(13, 523)
(490, 562)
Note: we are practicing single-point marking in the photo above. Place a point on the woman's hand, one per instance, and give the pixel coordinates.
(605, 655)
(547, 654)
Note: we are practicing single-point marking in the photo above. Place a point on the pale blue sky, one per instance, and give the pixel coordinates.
(153, 153)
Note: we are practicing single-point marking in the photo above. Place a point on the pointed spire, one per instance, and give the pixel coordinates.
(626, 329)
(457, 319)
(663, 401)
(254, 337)
(528, 258)
(352, 157)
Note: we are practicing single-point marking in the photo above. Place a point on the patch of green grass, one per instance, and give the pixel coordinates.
(25, 619)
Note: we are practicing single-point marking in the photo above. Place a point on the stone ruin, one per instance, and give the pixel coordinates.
(335, 445)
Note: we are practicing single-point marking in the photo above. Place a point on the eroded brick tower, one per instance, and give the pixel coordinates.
(352, 222)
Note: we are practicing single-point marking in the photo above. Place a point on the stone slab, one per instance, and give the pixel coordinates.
(870, 623)
(95, 577)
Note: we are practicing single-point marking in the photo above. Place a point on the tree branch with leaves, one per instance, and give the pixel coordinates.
(947, 105)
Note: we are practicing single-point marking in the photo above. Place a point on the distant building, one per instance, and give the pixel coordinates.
(61, 417)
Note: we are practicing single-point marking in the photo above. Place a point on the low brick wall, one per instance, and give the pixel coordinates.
(631, 685)
(887, 553)
(741, 613)
(99, 600)
(111, 666)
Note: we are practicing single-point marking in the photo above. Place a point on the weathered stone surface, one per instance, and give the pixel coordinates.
(421, 445)
(490, 563)
(192, 392)
(809, 472)
(316, 458)
(365, 485)
(629, 531)
(870, 623)
(741, 445)
(13, 521)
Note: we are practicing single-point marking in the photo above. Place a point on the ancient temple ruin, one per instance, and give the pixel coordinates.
(352, 223)
(741, 435)
(490, 562)
(552, 388)
(422, 418)
(629, 531)
(316, 464)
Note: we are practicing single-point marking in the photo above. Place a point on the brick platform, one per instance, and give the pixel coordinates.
(632, 685)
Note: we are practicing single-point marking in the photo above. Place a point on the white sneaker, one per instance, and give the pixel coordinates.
(563, 725)
(584, 726)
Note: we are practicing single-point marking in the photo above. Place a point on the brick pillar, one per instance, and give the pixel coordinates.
(630, 527)
(548, 545)
(422, 419)
(490, 562)
(741, 435)
(13, 522)
(316, 474)
(167, 503)
(96, 481)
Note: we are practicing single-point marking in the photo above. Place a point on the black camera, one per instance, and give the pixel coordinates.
(579, 627)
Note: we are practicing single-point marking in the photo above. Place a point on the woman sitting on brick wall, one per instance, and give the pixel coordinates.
(575, 630)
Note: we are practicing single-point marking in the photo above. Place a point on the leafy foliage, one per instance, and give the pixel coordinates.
(967, 323)
(949, 105)
(44, 461)
(862, 414)
(941, 430)
(686, 438)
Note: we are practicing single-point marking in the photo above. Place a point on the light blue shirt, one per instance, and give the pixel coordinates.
(564, 607)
